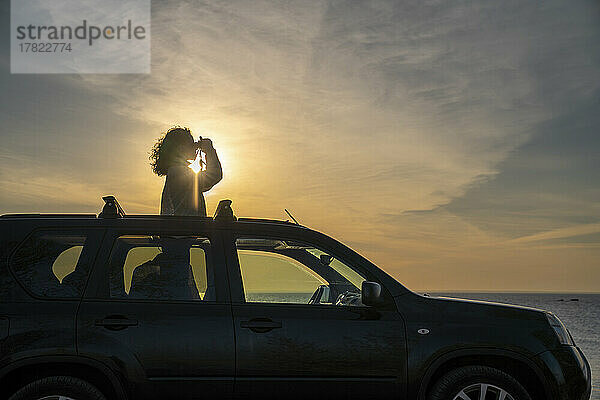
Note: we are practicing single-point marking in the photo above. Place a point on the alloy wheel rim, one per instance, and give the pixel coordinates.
(56, 397)
(483, 391)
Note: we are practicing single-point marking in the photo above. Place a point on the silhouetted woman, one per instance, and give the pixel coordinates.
(182, 193)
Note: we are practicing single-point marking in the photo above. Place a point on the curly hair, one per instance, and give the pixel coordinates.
(163, 154)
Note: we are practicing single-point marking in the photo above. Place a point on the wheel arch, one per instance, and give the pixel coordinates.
(21, 372)
(515, 364)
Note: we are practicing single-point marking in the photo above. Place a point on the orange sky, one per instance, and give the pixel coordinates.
(453, 146)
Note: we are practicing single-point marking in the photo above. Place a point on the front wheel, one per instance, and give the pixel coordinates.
(476, 383)
(58, 388)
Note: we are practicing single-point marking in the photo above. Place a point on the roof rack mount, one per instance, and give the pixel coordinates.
(224, 211)
(112, 208)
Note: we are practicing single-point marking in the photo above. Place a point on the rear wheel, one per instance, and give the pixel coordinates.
(477, 383)
(58, 388)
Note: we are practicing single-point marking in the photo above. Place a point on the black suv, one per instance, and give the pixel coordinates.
(157, 307)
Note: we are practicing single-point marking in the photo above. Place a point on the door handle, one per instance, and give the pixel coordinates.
(260, 325)
(116, 322)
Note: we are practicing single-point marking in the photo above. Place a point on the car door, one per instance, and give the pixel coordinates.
(334, 347)
(157, 310)
(52, 266)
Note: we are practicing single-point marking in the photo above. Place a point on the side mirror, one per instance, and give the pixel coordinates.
(371, 294)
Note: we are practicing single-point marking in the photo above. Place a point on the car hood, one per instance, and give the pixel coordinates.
(485, 304)
(456, 309)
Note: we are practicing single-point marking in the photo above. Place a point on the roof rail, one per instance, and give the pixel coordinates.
(111, 209)
(272, 221)
(224, 211)
(33, 215)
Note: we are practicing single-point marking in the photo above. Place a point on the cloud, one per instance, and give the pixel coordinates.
(560, 233)
(403, 99)
(408, 129)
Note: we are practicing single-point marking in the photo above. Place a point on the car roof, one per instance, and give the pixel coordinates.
(112, 210)
(83, 218)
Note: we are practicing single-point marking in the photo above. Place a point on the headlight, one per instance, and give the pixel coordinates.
(564, 337)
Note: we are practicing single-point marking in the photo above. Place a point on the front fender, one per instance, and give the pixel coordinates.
(431, 366)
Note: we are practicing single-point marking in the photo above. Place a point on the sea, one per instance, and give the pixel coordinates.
(579, 312)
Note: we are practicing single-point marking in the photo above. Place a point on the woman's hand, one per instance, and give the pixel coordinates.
(205, 143)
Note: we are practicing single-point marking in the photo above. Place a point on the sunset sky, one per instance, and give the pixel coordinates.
(454, 144)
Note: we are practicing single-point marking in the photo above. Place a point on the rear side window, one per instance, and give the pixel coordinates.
(146, 267)
(48, 264)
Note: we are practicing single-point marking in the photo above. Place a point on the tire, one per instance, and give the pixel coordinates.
(466, 383)
(52, 388)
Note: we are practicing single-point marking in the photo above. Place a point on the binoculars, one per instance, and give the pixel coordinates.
(203, 143)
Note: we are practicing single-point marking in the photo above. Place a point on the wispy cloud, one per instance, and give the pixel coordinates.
(419, 99)
(400, 127)
(561, 233)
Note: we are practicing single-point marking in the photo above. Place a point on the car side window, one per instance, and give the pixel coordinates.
(48, 264)
(286, 271)
(146, 267)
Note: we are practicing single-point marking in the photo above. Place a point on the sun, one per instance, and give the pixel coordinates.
(198, 164)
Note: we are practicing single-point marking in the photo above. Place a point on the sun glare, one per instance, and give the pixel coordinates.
(199, 164)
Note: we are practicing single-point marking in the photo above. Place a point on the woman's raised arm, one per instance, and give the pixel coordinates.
(213, 173)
